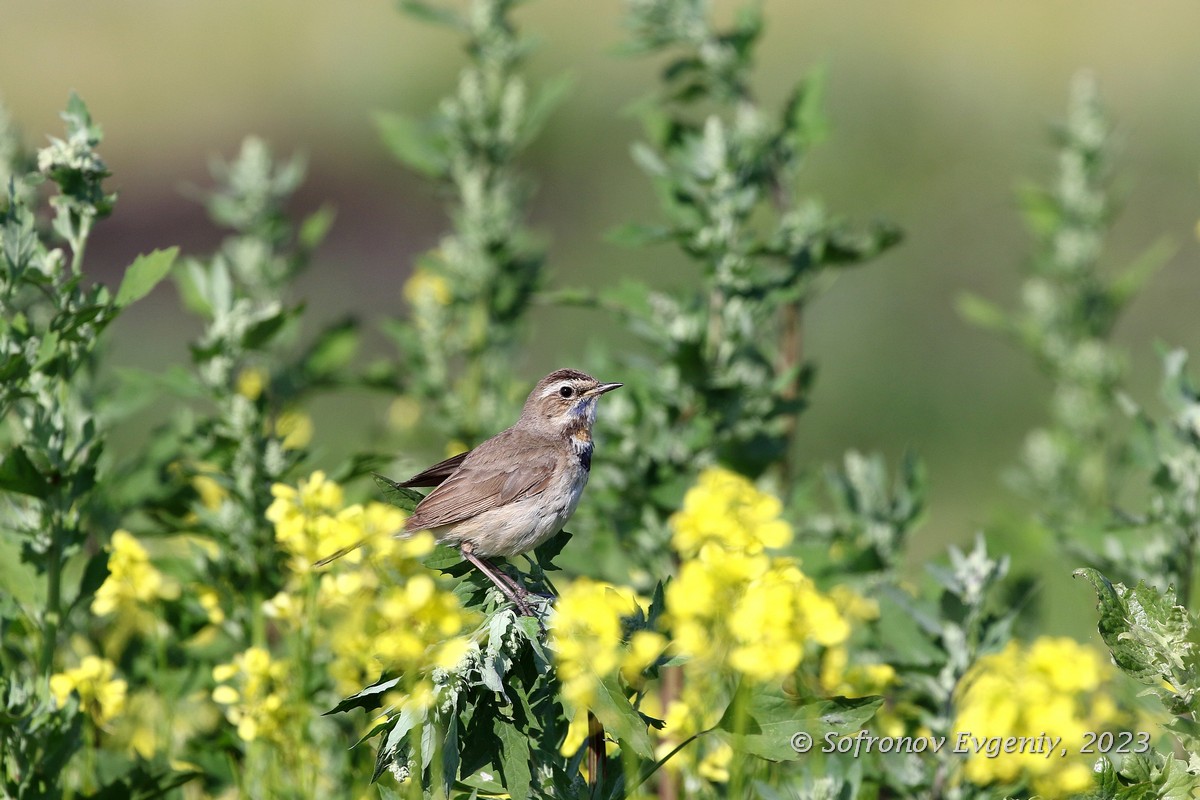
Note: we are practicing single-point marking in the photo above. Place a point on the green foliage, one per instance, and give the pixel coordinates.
(722, 375)
(469, 295)
(205, 652)
(1076, 470)
(52, 463)
(1065, 320)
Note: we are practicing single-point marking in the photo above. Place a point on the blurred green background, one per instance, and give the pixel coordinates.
(937, 110)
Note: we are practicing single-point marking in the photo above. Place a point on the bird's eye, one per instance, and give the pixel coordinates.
(567, 391)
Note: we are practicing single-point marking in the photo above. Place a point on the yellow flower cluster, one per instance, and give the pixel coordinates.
(588, 643)
(1028, 690)
(426, 288)
(295, 428)
(251, 690)
(734, 604)
(101, 696)
(411, 628)
(310, 522)
(726, 510)
(132, 582)
(382, 609)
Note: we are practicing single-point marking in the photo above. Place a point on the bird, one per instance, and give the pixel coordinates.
(518, 488)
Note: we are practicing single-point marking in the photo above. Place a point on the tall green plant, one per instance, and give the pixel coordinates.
(724, 374)
(469, 296)
(1071, 468)
(55, 516)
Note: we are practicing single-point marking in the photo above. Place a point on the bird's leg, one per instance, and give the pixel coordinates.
(505, 584)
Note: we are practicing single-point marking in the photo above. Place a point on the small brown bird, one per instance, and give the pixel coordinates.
(517, 489)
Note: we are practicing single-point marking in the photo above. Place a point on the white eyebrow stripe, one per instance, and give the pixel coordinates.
(555, 387)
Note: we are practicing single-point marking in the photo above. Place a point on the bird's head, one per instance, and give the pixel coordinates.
(564, 401)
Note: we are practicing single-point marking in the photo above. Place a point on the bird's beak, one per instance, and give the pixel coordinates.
(604, 387)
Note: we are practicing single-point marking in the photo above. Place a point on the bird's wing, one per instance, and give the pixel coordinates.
(437, 473)
(479, 485)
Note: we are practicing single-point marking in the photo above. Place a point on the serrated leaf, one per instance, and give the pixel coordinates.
(18, 474)
(545, 553)
(514, 758)
(411, 143)
(258, 335)
(448, 560)
(1148, 634)
(495, 663)
(620, 718)
(367, 697)
(399, 496)
(395, 744)
(762, 722)
(144, 274)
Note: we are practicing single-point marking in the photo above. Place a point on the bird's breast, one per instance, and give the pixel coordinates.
(582, 446)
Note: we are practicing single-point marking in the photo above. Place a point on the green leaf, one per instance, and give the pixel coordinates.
(648, 159)
(548, 97)
(18, 579)
(433, 14)
(447, 558)
(514, 758)
(761, 722)
(633, 234)
(144, 274)
(1129, 282)
(1148, 634)
(367, 698)
(399, 496)
(18, 474)
(315, 226)
(804, 115)
(621, 719)
(395, 747)
(259, 335)
(982, 313)
(547, 551)
(94, 573)
(333, 348)
(412, 143)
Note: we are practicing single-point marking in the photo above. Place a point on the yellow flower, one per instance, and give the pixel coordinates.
(838, 677)
(132, 580)
(404, 413)
(295, 428)
(586, 637)
(252, 691)
(411, 628)
(426, 288)
(715, 764)
(101, 696)
(1028, 690)
(310, 522)
(753, 613)
(210, 601)
(212, 494)
(250, 382)
(727, 510)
